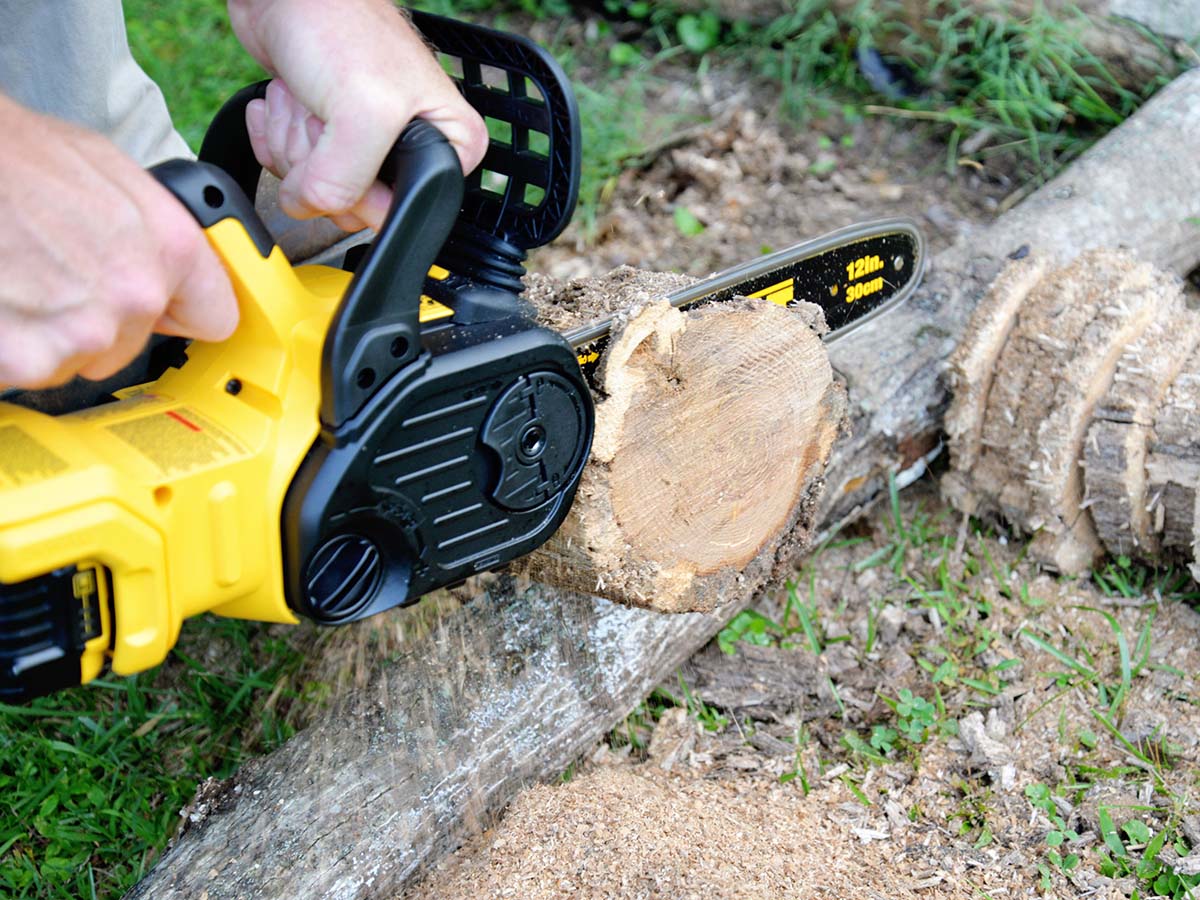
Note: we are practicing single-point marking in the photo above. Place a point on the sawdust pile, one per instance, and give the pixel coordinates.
(643, 833)
(774, 802)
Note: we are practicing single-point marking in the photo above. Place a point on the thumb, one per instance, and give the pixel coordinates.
(341, 168)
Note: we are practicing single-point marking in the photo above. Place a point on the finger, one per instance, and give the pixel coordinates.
(372, 209)
(342, 166)
(203, 305)
(279, 121)
(298, 144)
(130, 342)
(315, 129)
(348, 222)
(464, 128)
(31, 356)
(256, 128)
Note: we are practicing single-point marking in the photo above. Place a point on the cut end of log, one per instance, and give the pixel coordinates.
(1055, 385)
(712, 431)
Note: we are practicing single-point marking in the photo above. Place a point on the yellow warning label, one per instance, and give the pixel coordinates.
(431, 310)
(23, 460)
(178, 440)
(780, 294)
(130, 400)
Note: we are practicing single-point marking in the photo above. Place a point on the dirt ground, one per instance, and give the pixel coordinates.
(766, 785)
(775, 802)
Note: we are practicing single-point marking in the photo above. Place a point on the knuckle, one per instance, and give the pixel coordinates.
(328, 195)
(26, 368)
(137, 294)
(476, 142)
(90, 335)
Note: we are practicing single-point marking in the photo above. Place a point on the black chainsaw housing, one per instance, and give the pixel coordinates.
(466, 460)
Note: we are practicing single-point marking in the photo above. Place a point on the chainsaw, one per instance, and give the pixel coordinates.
(370, 433)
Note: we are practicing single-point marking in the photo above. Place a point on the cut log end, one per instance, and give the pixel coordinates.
(711, 438)
(1056, 384)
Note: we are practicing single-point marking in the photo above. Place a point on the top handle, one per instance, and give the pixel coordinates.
(227, 141)
(376, 329)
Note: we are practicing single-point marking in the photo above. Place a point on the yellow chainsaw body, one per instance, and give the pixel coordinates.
(168, 500)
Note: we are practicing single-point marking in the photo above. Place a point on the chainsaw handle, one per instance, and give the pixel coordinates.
(227, 141)
(376, 329)
(211, 195)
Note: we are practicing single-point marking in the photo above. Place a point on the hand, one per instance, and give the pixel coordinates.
(350, 76)
(95, 255)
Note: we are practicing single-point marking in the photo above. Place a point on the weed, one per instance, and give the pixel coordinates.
(687, 223)
(1023, 90)
(752, 627)
(883, 739)
(970, 815)
(1121, 577)
(806, 614)
(800, 619)
(1056, 837)
(798, 772)
(1030, 86)
(1137, 855)
(706, 715)
(638, 726)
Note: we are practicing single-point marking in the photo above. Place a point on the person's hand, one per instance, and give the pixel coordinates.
(348, 77)
(95, 255)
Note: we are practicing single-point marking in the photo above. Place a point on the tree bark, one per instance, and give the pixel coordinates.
(520, 682)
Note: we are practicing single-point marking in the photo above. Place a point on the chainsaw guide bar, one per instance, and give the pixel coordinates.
(854, 274)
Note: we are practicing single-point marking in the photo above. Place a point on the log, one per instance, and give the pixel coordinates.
(1134, 189)
(1173, 464)
(1127, 493)
(712, 432)
(517, 684)
(1085, 348)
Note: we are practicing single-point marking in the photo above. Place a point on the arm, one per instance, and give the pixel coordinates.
(349, 76)
(95, 255)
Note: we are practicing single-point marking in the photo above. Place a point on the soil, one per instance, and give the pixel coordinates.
(774, 803)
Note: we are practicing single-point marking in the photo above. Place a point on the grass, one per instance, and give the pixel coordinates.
(189, 49)
(92, 779)
(961, 579)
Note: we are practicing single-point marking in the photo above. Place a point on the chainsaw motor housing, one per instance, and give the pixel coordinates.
(468, 459)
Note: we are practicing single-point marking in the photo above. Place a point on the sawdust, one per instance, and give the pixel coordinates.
(564, 305)
(642, 833)
(775, 803)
